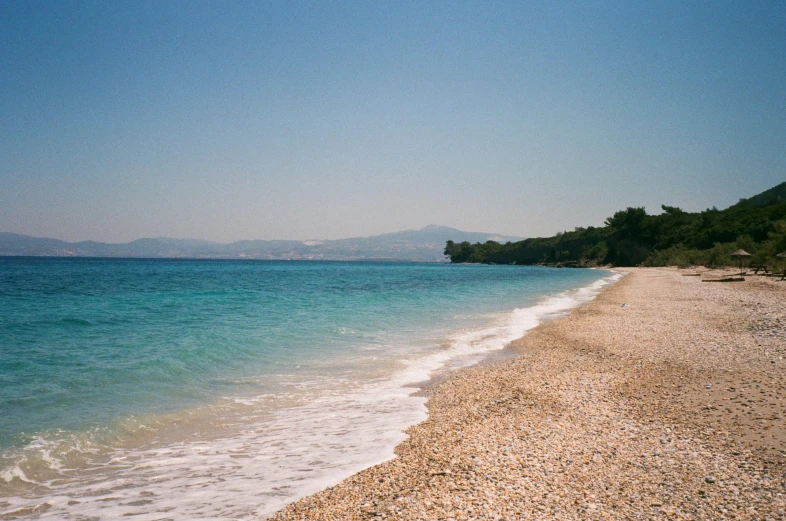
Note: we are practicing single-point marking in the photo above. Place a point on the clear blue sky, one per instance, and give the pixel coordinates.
(282, 119)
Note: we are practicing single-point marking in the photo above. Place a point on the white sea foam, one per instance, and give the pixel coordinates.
(15, 472)
(264, 457)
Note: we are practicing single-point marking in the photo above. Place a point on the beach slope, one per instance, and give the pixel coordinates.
(662, 398)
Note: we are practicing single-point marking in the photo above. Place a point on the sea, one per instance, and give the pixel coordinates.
(175, 389)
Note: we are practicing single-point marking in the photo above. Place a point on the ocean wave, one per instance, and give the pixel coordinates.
(243, 457)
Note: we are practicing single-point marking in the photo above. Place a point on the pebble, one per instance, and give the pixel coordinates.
(623, 429)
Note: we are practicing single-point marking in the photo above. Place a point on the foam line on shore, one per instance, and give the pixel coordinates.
(663, 398)
(292, 452)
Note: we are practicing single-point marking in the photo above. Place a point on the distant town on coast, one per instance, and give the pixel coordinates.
(423, 245)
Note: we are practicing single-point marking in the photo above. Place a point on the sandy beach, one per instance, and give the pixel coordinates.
(663, 398)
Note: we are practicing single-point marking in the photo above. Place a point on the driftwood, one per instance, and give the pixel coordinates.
(726, 279)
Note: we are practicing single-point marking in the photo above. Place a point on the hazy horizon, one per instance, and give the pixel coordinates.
(161, 237)
(317, 120)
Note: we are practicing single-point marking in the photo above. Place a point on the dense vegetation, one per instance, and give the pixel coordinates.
(632, 237)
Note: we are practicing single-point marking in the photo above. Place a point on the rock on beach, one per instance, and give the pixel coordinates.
(670, 406)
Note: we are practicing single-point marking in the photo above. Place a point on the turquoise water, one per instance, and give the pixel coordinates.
(111, 370)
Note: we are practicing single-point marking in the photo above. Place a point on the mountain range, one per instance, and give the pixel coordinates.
(426, 244)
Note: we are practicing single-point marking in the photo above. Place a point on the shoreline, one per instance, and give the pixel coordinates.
(510, 351)
(660, 397)
(261, 467)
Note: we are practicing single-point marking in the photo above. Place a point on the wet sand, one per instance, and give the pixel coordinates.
(661, 399)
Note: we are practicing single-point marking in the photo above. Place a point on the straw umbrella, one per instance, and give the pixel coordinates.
(740, 254)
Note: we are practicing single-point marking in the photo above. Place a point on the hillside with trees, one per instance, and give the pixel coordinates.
(632, 237)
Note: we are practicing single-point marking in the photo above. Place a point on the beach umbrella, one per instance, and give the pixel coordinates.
(740, 254)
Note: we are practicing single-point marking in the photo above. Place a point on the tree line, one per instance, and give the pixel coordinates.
(633, 237)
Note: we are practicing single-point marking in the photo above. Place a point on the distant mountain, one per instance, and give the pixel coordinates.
(426, 244)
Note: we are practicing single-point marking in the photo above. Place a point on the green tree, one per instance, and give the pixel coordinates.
(461, 252)
(629, 223)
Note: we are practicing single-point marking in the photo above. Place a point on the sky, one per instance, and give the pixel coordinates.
(295, 120)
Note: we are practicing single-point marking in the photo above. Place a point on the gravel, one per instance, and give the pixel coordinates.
(668, 407)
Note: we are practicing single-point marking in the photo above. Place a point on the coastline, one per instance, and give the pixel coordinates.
(661, 397)
(248, 455)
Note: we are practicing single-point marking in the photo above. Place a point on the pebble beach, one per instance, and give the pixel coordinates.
(660, 399)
